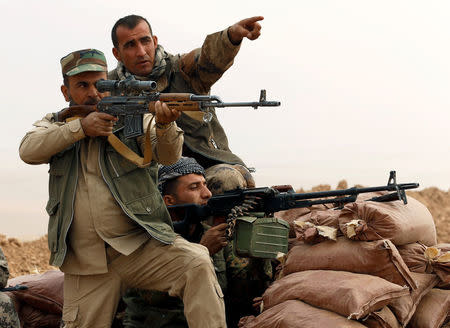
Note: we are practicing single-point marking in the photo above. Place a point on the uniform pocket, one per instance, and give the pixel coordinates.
(53, 224)
(69, 317)
(52, 206)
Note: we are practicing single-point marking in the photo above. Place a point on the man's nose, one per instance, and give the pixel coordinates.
(206, 193)
(92, 91)
(140, 50)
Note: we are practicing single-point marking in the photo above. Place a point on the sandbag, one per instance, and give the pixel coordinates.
(404, 307)
(32, 317)
(381, 319)
(349, 294)
(45, 291)
(422, 259)
(439, 255)
(300, 213)
(311, 234)
(294, 314)
(400, 223)
(433, 310)
(414, 257)
(379, 258)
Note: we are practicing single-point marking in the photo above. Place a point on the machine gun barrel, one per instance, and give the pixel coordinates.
(270, 200)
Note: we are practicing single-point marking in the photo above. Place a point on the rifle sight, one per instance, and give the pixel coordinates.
(126, 86)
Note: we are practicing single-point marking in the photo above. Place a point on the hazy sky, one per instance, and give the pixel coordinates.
(364, 87)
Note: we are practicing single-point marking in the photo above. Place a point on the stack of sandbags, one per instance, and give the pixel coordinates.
(345, 263)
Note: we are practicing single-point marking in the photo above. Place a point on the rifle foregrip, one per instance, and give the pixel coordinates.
(179, 101)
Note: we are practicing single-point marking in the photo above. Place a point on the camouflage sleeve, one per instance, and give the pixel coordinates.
(202, 67)
(8, 314)
(4, 272)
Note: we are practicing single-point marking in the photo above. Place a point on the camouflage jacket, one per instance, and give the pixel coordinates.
(4, 272)
(8, 314)
(195, 72)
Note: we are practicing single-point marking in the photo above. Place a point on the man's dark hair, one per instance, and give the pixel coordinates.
(130, 22)
(66, 80)
(169, 187)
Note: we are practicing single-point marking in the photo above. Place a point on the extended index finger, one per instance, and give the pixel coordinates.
(252, 20)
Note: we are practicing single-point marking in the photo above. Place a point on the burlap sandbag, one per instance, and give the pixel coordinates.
(294, 314)
(404, 307)
(439, 255)
(304, 213)
(381, 319)
(422, 259)
(402, 224)
(379, 258)
(45, 291)
(312, 234)
(349, 294)
(433, 310)
(32, 317)
(414, 257)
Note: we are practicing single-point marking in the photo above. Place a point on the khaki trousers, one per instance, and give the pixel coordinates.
(182, 269)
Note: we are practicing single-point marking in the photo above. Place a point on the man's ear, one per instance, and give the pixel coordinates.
(169, 200)
(155, 40)
(116, 53)
(65, 92)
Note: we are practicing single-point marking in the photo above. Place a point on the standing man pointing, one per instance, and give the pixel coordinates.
(139, 53)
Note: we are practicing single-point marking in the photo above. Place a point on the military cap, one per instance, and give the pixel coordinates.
(186, 165)
(86, 60)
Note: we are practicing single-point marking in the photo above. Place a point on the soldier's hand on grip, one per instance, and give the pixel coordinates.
(164, 115)
(98, 124)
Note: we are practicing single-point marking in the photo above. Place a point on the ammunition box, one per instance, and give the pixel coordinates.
(260, 237)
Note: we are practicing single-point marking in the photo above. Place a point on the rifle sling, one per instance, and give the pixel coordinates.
(125, 151)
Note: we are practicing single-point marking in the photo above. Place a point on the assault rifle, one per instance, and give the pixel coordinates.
(273, 199)
(132, 107)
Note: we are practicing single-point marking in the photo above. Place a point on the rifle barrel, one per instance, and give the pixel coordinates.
(354, 191)
(254, 104)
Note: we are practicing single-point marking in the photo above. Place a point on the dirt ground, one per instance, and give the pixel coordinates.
(32, 257)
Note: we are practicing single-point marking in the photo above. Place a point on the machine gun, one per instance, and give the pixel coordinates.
(269, 200)
(133, 107)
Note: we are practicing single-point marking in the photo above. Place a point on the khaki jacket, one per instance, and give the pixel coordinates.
(80, 166)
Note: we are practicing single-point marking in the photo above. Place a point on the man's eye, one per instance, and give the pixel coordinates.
(128, 45)
(146, 40)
